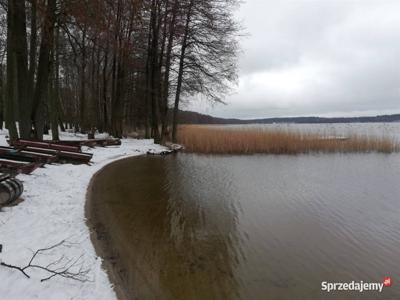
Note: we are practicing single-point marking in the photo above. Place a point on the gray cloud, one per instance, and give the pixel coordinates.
(316, 58)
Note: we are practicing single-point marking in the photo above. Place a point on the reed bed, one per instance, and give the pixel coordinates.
(247, 140)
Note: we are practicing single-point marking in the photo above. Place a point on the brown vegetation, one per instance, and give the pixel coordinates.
(245, 140)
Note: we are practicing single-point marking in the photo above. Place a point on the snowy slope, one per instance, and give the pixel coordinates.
(53, 211)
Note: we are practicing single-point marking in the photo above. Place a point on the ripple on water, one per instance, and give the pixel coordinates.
(256, 227)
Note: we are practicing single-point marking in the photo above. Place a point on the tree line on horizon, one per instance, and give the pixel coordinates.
(195, 118)
(112, 65)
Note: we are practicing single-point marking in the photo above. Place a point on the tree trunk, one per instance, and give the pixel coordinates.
(117, 106)
(153, 58)
(98, 98)
(53, 91)
(180, 73)
(21, 52)
(165, 94)
(9, 107)
(1, 96)
(60, 115)
(105, 91)
(41, 90)
(32, 47)
(32, 58)
(83, 104)
(53, 111)
(147, 98)
(114, 95)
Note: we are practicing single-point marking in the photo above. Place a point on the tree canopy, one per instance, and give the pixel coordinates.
(112, 65)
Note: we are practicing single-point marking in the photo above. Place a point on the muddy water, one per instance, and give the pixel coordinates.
(251, 227)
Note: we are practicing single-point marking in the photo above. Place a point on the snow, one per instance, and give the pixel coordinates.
(53, 211)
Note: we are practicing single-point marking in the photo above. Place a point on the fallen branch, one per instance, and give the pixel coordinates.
(62, 267)
(15, 267)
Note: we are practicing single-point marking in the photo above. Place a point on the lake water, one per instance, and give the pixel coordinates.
(254, 227)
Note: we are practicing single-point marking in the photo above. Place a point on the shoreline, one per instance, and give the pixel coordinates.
(100, 237)
(129, 278)
(54, 211)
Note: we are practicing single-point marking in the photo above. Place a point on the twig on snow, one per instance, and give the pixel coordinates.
(62, 267)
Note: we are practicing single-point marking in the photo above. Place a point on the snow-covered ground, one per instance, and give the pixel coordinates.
(53, 211)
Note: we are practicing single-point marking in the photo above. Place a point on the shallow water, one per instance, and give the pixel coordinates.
(254, 227)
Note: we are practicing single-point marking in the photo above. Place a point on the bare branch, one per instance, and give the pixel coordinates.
(63, 267)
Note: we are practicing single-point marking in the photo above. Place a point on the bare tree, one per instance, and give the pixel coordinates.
(209, 48)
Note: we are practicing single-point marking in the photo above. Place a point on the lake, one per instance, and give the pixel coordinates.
(193, 226)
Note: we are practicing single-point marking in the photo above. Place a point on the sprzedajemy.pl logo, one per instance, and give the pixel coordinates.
(359, 286)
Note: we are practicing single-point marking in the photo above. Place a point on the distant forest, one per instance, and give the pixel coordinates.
(189, 117)
(112, 65)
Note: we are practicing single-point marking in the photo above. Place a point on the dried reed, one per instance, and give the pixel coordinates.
(247, 140)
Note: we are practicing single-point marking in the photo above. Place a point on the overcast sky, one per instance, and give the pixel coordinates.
(321, 57)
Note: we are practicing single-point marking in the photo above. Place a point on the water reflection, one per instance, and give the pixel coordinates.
(253, 227)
